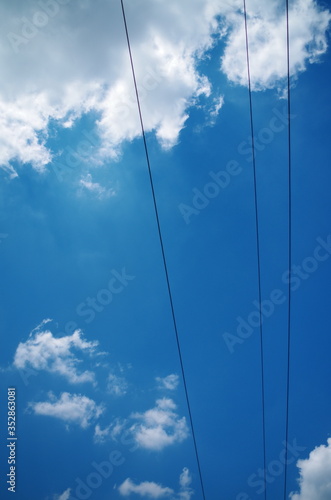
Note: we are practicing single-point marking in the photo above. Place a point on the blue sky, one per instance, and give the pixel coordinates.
(87, 333)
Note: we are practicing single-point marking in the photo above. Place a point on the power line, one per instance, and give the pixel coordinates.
(258, 252)
(289, 309)
(163, 252)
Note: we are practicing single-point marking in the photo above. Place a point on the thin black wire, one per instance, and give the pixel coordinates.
(289, 245)
(163, 253)
(258, 253)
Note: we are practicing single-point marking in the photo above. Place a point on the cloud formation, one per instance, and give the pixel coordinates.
(43, 351)
(149, 489)
(267, 41)
(146, 489)
(185, 480)
(71, 408)
(64, 496)
(315, 475)
(155, 429)
(113, 431)
(87, 184)
(169, 382)
(34, 93)
(160, 426)
(117, 386)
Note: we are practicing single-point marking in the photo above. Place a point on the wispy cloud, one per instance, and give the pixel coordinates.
(44, 352)
(64, 496)
(117, 386)
(112, 431)
(315, 474)
(95, 188)
(185, 480)
(169, 382)
(71, 408)
(215, 108)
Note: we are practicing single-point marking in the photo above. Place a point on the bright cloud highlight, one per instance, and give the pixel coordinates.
(43, 351)
(33, 93)
(149, 489)
(315, 475)
(160, 426)
(71, 408)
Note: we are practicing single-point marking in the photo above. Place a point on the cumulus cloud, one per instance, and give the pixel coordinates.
(43, 351)
(315, 475)
(154, 429)
(33, 92)
(72, 408)
(267, 41)
(160, 426)
(53, 74)
(169, 382)
(153, 490)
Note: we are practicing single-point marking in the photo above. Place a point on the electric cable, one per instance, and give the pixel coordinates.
(257, 231)
(289, 308)
(163, 253)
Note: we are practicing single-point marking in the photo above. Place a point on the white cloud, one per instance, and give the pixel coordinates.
(160, 426)
(117, 386)
(33, 91)
(315, 475)
(185, 480)
(155, 429)
(267, 41)
(153, 490)
(101, 435)
(95, 188)
(64, 496)
(43, 351)
(217, 105)
(146, 489)
(56, 74)
(169, 382)
(112, 431)
(72, 408)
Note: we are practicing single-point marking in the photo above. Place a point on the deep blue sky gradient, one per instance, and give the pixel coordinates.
(61, 248)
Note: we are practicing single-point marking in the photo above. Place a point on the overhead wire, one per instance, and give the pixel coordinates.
(289, 303)
(257, 232)
(165, 265)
